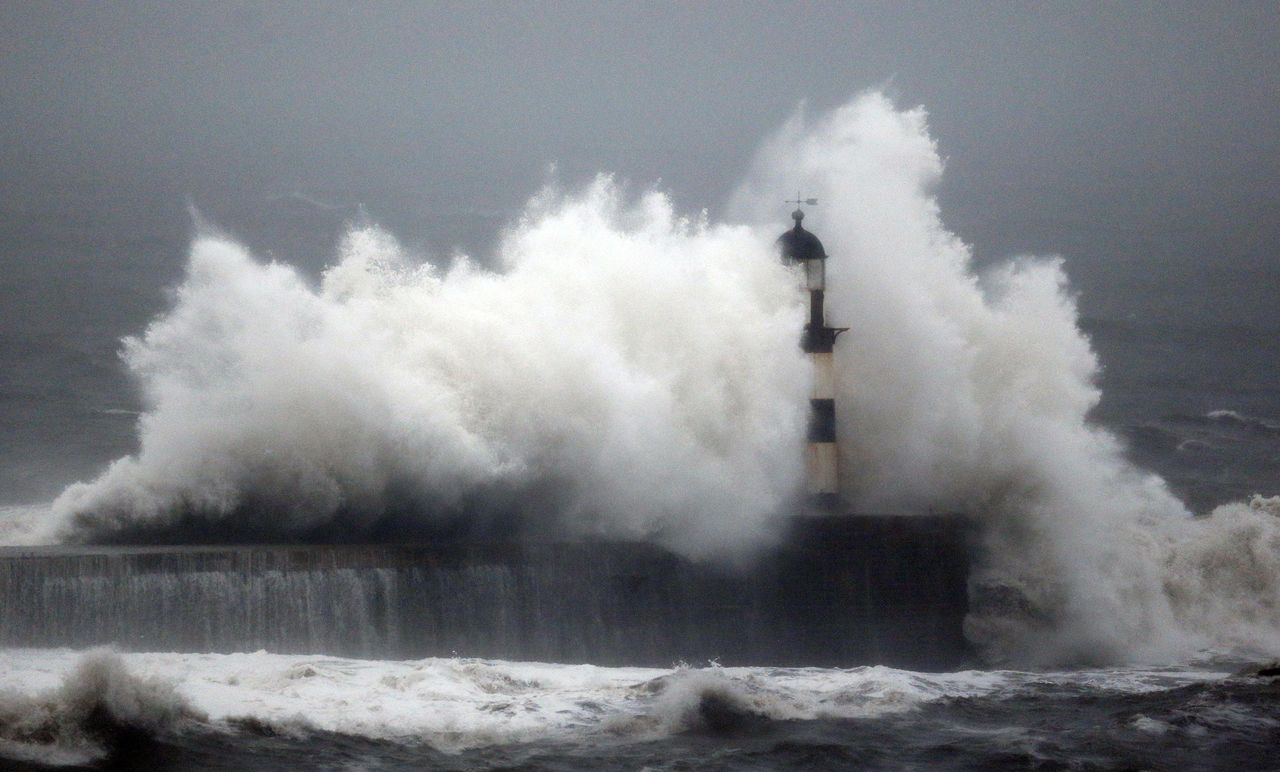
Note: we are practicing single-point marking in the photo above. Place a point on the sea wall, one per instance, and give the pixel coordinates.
(844, 591)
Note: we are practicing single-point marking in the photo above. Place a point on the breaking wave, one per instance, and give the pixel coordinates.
(101, 711)
(626, 373)
(1246, 422)
(973, 392)
(256, 709)
(631, 373)
(450, 705)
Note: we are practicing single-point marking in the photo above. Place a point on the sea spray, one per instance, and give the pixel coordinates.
(627, 373)
(27, 524)
(251, 710)
(968, 391)
(100, 711)
(624, 373)
(455, 704)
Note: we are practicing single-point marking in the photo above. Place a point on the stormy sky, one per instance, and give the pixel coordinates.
(1140, 140)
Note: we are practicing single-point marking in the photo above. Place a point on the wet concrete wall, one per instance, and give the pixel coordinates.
(842, 592)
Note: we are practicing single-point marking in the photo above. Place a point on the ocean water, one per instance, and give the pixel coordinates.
(266, 711)
(1124, 471)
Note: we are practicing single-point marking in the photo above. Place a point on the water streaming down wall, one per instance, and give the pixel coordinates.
(846, 591)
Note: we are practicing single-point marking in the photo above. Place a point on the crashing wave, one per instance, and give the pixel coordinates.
(629, 373)
(100, 712)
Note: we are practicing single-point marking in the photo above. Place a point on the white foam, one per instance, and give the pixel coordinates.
(24, 525)
(1149, 725)
(1241, 418)
(58, 710)
(637, 370)
(458, 704)
(973, 392)
(635, 374)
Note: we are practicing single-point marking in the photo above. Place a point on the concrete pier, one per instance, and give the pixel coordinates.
(844, 591)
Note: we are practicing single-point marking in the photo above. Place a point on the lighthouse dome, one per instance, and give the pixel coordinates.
(799, 244)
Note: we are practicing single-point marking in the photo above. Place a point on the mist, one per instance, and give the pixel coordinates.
(627, 373)
(1136, 141)
(353, 334)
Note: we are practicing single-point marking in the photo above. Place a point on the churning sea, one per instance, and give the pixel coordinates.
(266, 711)
(1213, 432)
(1198, 403)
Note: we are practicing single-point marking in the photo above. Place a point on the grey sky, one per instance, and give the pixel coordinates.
(1139, 138)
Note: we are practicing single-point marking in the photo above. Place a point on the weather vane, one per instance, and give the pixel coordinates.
(802, 201)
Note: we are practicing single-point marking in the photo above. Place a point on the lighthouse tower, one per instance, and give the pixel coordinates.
(822, 458)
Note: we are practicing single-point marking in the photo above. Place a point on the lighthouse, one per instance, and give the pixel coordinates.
(822, 456)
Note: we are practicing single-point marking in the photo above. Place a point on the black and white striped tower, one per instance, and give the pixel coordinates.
(822, 455)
